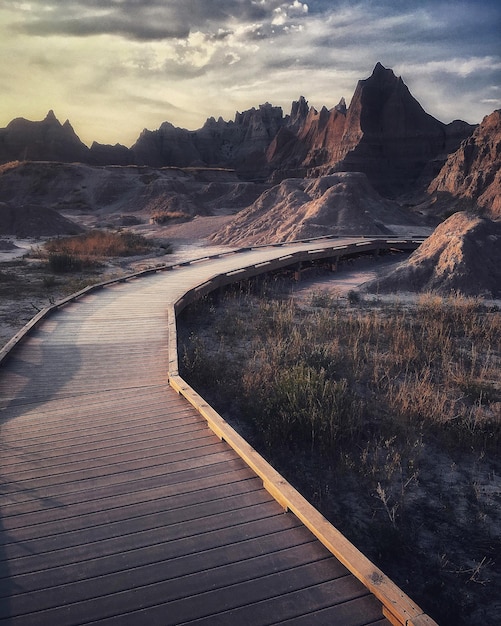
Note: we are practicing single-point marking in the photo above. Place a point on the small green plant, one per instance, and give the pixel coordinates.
(324, 299)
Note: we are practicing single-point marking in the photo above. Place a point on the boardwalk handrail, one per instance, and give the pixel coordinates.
(397, 606)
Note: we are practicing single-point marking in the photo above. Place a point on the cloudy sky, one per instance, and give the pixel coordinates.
(114, 67)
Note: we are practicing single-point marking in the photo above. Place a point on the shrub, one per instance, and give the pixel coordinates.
(164, 217)
(99, 243)
(60, 262)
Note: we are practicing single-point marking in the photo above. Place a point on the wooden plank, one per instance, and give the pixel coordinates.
(112, 498)
(154, 598)
(182, 557)
(102, 459)
(178, 474)
(89, 474)
(209, 499)
(182, 539)
(201, 464)
(17, 457)
(199, 516)
(20, 517)
(134, 420)
(164, 575)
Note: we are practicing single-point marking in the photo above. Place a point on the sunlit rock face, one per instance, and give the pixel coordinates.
(472, 175)
(463, 255)
(387, 134)
(384, 133)
(310, 139)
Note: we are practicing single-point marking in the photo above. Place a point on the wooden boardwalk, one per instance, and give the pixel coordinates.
(119, 505)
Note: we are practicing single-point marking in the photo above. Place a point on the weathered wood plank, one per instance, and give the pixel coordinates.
(118, 503)
(22, 515)
(186, 555)
(187, 536)
(102, 459)
(167, 576)
(178, 475)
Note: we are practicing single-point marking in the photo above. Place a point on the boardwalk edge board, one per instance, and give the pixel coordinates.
(384, 241)
(398, 608)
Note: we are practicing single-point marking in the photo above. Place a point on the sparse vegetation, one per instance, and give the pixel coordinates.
(165, 217)
(65, 266)
(387, 417)
(87, 251)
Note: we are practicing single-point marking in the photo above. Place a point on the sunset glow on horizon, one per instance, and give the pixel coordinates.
(114, 67)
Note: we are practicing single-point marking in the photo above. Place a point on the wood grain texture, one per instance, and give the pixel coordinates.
(119, 505)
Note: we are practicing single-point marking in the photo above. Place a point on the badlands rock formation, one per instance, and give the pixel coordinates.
(384, 133)
(463, 255)
(114, 192)
(240, 144)
(34, 221)
(331, 171)
(471, 177)
(297, 208)
(48, 140)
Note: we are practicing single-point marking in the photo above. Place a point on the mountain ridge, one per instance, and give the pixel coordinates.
(385, 133)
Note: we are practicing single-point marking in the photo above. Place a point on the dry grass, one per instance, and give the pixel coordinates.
(165, 217)
(88, 250)
(435, 367)
(100, 243)
(379, 405)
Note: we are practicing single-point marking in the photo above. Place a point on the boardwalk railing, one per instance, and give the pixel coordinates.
(397, 606)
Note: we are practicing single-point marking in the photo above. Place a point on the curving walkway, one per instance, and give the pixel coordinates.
(119, 505)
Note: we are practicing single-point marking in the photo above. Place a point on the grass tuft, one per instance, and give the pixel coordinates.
(370, 410)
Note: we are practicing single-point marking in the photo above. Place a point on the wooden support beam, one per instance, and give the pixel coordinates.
(297, 272)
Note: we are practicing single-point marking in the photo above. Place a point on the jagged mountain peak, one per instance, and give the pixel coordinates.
(51, 117)
(384, 133)
(341, 106)
(299, 113)
(381, 71)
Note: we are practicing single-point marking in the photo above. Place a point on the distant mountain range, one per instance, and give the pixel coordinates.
(384, 133)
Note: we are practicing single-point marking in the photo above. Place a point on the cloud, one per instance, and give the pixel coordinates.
(462, 67)
(198, 58)
(149, 20)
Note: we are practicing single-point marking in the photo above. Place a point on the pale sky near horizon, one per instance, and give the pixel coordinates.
(114, 67)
